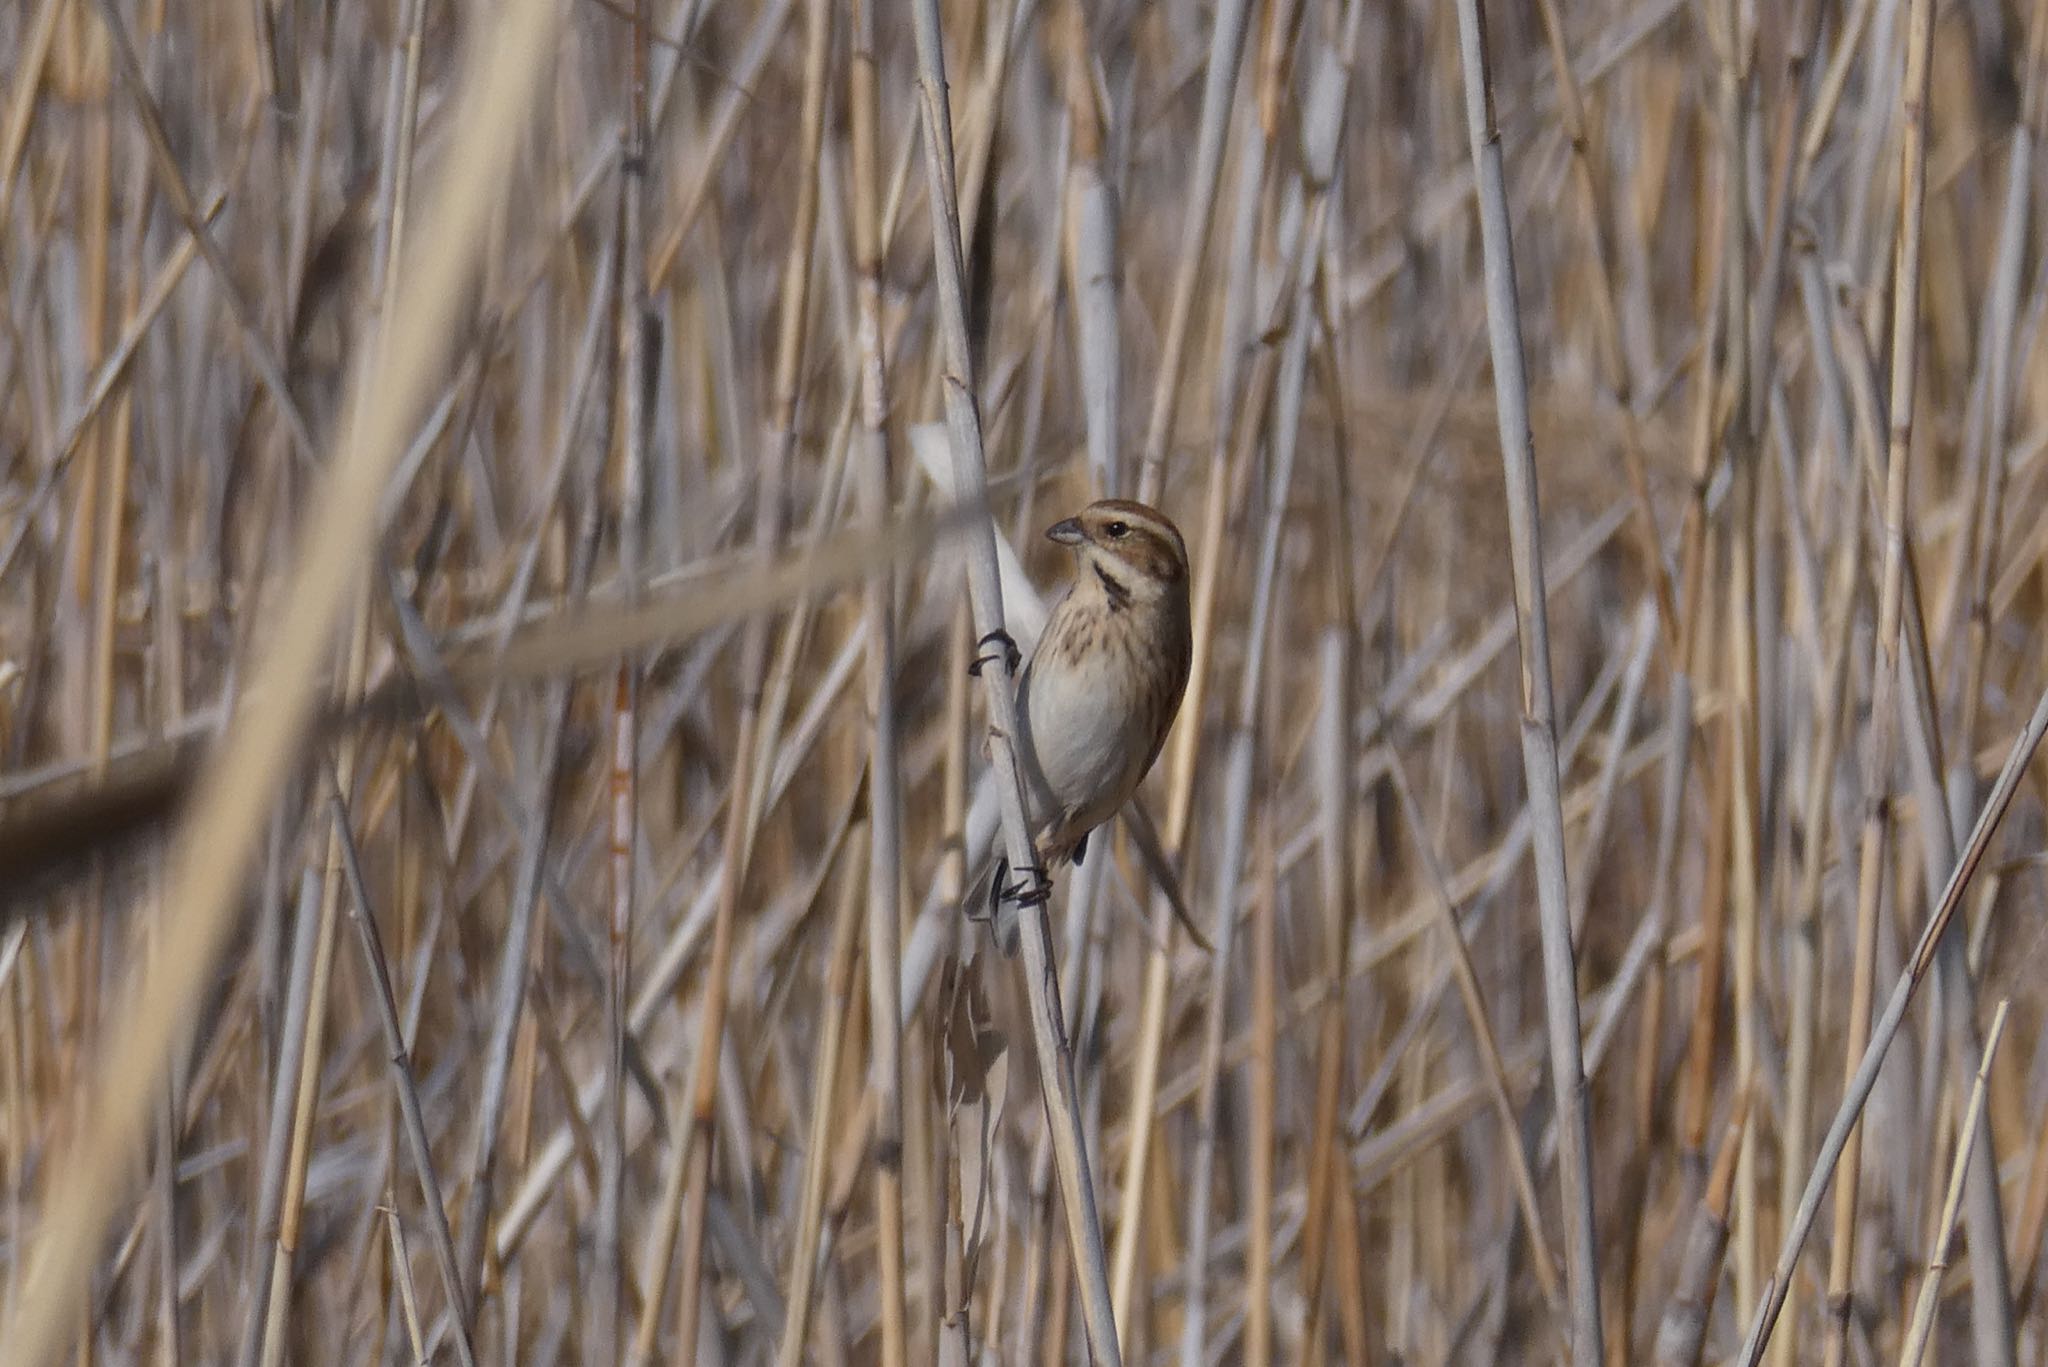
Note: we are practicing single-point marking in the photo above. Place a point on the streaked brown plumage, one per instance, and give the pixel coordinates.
(1104, 683)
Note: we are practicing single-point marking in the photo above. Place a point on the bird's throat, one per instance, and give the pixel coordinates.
(1118, 592)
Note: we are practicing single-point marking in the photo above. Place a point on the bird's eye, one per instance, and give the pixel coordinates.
(1118, 530)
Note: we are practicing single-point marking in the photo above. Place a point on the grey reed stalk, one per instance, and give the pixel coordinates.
(638, 346)
(1091, 202)
(970, 474)
(1539, 726)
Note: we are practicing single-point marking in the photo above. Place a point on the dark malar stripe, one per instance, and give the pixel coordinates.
(1119, 595)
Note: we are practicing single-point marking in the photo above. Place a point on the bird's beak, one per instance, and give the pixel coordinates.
(1067, 532)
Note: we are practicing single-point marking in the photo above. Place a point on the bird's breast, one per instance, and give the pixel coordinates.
(1087, 729)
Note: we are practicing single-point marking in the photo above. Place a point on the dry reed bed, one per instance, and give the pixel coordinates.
(475, 474)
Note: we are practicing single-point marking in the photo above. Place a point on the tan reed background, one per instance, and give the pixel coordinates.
(474, 498)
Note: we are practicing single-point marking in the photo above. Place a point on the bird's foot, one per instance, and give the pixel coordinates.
(1005, 898)
(1034, 889)
(1006, 651)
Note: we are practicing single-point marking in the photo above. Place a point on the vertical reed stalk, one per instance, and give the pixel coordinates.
(638, 345)
(1184, 748)
(1539, 735)
(806, 1246)
(1055, 1063)
(1258, 1292)
(885, 788)
(770, 516)
(1226, 53)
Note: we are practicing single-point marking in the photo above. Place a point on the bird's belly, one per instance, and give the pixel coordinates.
(1082, 740)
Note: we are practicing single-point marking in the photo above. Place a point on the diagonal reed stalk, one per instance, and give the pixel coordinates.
(1886, 1028)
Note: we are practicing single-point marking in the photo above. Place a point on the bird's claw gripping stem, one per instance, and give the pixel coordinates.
(1008, 652)
(1005, 897)
(1034, 889)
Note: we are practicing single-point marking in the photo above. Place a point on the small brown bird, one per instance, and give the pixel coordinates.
(1100, 692)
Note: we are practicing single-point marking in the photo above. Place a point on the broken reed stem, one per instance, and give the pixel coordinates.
(1683, 1330)
(1539, 736)
(408, 1296)
(970, 470)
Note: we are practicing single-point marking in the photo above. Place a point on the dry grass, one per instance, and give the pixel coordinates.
(473, 501)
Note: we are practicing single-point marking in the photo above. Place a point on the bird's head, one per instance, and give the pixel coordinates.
(1134, 549)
